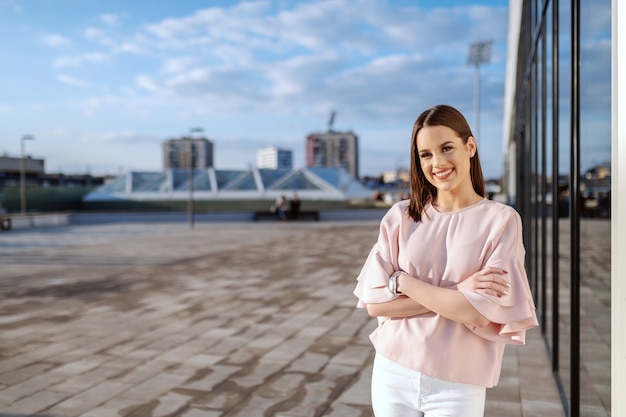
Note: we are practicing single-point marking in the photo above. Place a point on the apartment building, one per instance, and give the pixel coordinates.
(187, 152)
(335, 150)
(274, 158)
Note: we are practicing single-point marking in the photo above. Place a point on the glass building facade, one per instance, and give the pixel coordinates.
(558, 132)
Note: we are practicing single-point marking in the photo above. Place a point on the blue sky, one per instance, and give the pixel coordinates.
(101, 84)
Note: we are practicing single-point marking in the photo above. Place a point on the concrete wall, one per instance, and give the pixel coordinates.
(40, 220)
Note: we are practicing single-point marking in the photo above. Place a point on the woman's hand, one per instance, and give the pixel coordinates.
(491, 281)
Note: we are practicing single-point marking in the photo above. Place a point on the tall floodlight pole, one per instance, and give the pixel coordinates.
(480, 53)
(23, 173)
(190, 178)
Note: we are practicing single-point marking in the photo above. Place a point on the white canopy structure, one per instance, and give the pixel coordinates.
(218, 184)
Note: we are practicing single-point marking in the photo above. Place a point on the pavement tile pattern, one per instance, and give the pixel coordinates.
(225, 320)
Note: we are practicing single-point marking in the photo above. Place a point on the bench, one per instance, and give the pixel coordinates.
(5, 223)
(303, 214)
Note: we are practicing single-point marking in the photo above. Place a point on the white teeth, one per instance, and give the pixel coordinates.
(443, 173)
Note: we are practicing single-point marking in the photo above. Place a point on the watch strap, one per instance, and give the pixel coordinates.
(393, 283)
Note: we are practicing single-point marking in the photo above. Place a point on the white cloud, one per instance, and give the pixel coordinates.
(382, 63)
(104, 137)
(146, 82)
(73, 81)
(178, 64)
(55, 40)
(11, 4)
(300, 74)
(110, 19)
(79, 60)
(314, 49)
(131, 48)
(98, 36)
(90, 107)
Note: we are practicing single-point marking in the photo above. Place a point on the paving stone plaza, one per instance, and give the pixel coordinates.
(230, 319)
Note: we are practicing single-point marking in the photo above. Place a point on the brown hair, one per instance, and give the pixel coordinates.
(422, 191)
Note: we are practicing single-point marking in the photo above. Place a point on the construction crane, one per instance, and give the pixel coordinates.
(331, 121)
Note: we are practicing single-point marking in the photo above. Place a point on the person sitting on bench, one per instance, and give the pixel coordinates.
(294, 207)
(280, 207)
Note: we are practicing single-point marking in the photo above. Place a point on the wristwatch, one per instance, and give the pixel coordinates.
(393, 283)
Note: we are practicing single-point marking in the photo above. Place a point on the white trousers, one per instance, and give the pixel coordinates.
(398, 391)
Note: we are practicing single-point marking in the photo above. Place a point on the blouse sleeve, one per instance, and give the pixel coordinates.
(510, 315)
(381, 262)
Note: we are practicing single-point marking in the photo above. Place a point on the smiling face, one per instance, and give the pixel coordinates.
(445, 159)
(445, 167)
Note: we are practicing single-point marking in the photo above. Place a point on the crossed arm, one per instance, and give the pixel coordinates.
(421, 297)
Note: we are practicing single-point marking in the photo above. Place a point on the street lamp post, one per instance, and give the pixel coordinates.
(190, 211)
(23, 173)
(480, 53)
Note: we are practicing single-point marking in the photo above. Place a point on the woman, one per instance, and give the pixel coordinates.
(445, 279)
(281, 207)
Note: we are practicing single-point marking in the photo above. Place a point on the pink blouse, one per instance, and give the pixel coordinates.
(443, 249)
